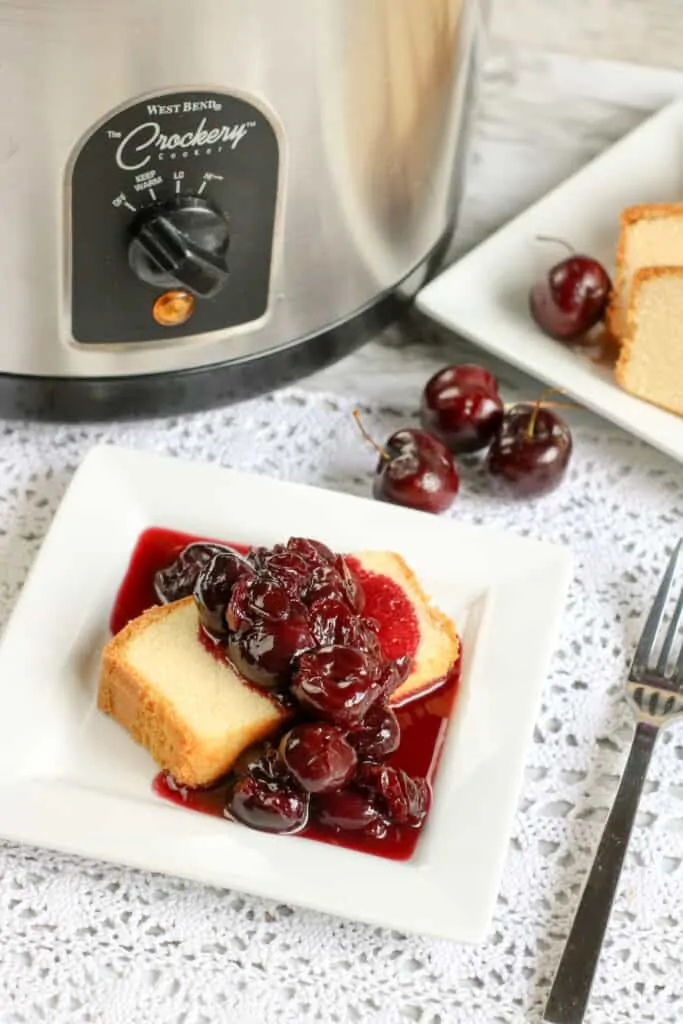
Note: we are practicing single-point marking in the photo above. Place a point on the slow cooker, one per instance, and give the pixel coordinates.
(204, 201)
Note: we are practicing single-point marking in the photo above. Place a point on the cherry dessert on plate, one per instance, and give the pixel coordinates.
(326, 651)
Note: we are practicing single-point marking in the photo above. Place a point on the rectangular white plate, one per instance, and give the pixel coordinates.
(71, 779)
(484, 296)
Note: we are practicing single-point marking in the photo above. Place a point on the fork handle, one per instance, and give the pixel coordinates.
(574, 979)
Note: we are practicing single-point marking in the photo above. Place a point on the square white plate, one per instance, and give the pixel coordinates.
(71, 779)
(484, 296)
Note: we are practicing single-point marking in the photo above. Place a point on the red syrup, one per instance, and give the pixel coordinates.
(423, 721)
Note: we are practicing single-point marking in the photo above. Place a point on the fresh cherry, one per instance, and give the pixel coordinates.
(416, 470)
(461, 406)
(349, 810)
(267, 798)
(337, 684)
(378, 735)
(213, 588)
(318, 756)
(571, 298)
(178, 579)
(531, 451)
(404, 801)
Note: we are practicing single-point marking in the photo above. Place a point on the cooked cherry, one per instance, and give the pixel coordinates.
(265, 651)
(349, 810)
(353, 589)
(531, 451)
(571, 298)
(239, 611)
(313, 552)
(319, 756)
(289, 569)
(333, 622)
(394, 673)
(416, 470)
(260, 597)
(461, 406)
(337, 684)
(378, 735)
(267, 798)
(213, 588)
(178, 579)
(404, 801)
(268, 598)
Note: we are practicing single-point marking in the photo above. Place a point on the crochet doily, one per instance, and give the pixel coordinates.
(83, 941)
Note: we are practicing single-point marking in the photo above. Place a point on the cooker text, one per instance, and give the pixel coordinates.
(135, 150)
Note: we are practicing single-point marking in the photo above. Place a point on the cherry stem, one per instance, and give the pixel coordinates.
(558, 241)
(383, 453)
(540, 404)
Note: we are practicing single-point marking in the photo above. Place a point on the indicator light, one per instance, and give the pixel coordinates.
(173, 308)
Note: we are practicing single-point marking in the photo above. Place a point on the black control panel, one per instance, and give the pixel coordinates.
(176, 192)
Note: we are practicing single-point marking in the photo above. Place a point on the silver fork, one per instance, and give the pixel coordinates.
(656, 696)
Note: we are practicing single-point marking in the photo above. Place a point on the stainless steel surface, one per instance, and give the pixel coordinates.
(370, 99)
(655, 692)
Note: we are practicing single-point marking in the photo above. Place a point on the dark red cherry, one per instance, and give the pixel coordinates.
(261, 597)
(378, 735)
(264, 652)
(213, 588)
(416, 470)
(531, 451)
(571, 298)
(461, 406)
(325, 582)
(403, 800)
(313, 552)
(239, 612)
(333, 622)
(394, 673)
(318, 756)
(268, 598)
(349, 810)
(178, 579)
(267, 798)
(289, 569)
(336, 684)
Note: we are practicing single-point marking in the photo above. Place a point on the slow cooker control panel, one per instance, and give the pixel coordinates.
(173, 204)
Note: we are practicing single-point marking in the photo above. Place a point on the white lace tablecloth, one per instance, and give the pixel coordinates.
(88, 942)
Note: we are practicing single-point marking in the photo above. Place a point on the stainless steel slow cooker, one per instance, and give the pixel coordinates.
(200, 201)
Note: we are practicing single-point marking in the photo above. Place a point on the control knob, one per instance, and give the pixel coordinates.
(181, 243)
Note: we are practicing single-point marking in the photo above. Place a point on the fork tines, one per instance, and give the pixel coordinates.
(646, 644)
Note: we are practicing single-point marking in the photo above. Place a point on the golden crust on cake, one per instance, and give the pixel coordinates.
(628, 263)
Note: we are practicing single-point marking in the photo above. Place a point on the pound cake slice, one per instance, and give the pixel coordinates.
(651, 235)
(195, 713)
(650, 365)
(188, 708)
